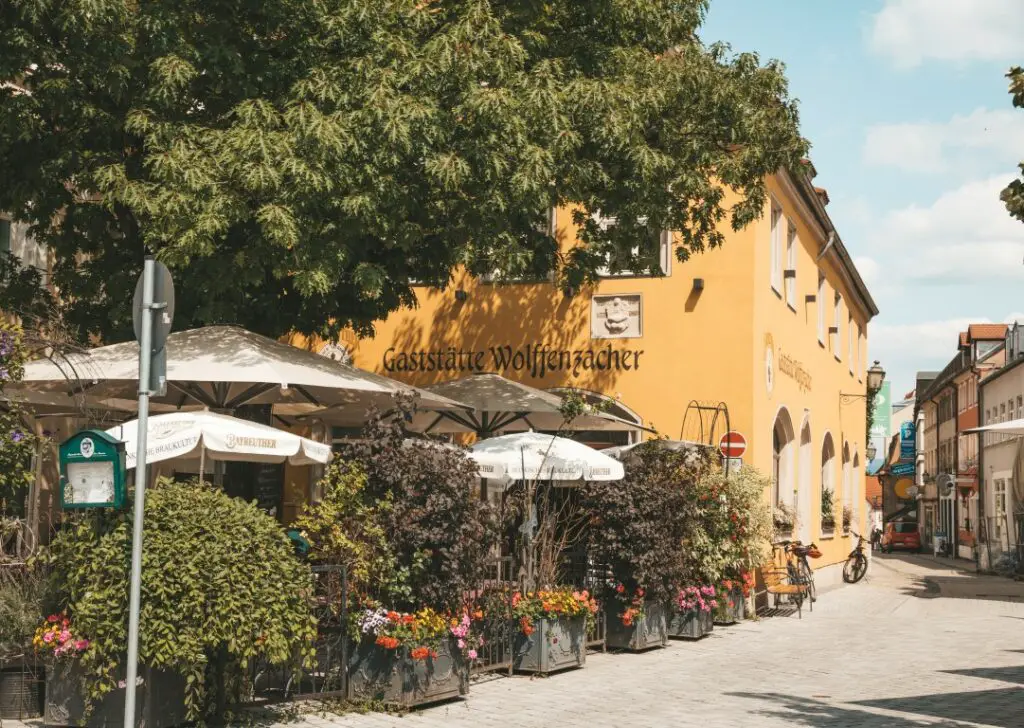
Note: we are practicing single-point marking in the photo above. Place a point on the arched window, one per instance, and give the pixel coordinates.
(782, 460)
(857, 493)
(804, 486)
(828, 466)
(847, 476)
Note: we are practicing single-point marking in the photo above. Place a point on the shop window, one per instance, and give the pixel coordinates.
(789, 274)
(776, 243)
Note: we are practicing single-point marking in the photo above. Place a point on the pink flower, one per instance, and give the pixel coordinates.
(81, 645)
(472, 654)
(48, 637)
(65, 636)
(462, 644)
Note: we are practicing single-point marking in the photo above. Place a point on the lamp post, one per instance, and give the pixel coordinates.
(876, 375)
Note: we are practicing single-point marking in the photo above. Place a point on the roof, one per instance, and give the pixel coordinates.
(873, 488)
(986, 332)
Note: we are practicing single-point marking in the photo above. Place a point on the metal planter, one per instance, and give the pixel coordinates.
(391, 676)
(651, 630)
(691, 625)
(556, 644)
(726, 614)
(159, 699)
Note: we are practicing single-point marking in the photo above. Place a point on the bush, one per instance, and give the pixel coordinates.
(219, 580)
(737, 522)
(638, 526)
(439, 533)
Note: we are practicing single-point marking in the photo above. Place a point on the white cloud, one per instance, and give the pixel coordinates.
(957, 143)
(965, 236)
(913, 31)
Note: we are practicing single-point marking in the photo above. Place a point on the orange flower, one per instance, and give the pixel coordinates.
(394, 616)
(420, 653)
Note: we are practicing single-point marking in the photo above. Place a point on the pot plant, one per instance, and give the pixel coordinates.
(828, 511)
(221, 587)
(552, 629)
(692, 613)
(425, 555)
(637, 530)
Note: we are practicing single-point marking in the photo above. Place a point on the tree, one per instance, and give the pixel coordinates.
(297, 164)
(1013, 195)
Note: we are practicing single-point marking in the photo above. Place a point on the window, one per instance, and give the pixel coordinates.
(1012, 416)
(776, 257)
(999, 500)
(664, 250)
(790, 274)
(861, 351)
(821, 308)
(547, 226)
(849, 336)
(5, 236)
(837, 315)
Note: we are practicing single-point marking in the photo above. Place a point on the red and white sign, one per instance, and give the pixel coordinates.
(732, 445)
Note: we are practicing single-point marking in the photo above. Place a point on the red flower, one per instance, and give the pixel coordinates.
(620, 588)
(639, 592)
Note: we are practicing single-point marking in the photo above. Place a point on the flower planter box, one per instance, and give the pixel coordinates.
(691, 625)
(159, 699)
(651, 630)
(555, 644)
(725, 614)
(391, 676)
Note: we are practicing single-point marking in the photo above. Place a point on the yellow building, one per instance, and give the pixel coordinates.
(773, 324)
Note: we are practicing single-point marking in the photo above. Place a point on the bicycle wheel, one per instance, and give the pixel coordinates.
(855, 568)
(807, 577)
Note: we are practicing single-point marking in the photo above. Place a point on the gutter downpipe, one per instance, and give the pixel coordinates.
(956, 471)
(981, 478)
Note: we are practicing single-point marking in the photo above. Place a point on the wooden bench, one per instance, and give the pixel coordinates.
(776, 581)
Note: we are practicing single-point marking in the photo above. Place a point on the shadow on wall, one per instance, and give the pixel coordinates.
(798, 711)
(506, 320)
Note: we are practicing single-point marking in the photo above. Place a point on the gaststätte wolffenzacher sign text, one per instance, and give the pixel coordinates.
(536, 359)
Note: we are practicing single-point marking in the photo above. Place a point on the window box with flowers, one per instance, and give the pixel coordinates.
(552, 629)
(828, 512)
(410, 659)
(160, 694)
(847, 519)
(692, 614)
(639, 623)
(784, 520)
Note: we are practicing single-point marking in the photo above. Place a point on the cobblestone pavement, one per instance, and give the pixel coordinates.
(918, 643)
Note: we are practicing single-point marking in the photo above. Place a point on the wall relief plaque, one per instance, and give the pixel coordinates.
(616, 316)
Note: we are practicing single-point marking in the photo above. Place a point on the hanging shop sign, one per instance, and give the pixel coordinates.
(908, 441)
(902, 469)
(538, 360)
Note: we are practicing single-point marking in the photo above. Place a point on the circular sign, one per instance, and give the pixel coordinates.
(87, 447)
(732, 445)
(903, 487)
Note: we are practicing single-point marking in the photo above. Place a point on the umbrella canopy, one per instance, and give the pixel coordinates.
(501, 405)
(222, 368)
(1012, 427)
(186, 435)
(535, 456)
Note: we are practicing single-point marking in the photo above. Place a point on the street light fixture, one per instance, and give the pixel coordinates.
(876, 375)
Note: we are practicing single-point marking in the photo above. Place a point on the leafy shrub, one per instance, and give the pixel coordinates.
(742, 523)
(438, 531)
(828, 508)
(219, 578)
(638, 526)
(22, 605)
(16, 444)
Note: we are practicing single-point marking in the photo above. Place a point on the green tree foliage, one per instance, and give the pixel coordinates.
(298, 163)
(739, 519)
(219, 577)
(1013, 195)
(17, 443)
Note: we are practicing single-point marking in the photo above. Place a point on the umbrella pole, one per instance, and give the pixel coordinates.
(202, 462)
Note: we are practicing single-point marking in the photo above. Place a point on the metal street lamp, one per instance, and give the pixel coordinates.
(876, 375)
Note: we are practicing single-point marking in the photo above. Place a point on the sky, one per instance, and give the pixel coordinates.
(913, 134)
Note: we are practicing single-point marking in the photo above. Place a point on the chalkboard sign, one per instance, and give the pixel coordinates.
(260, 482)
(268, 487)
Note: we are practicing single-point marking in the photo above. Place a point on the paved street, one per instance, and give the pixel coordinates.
(915, 650)
(922, 644)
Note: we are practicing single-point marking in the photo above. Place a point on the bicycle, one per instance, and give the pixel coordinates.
(800, 571)
(856, 565)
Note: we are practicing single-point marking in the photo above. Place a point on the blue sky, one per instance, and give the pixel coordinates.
(906, 107)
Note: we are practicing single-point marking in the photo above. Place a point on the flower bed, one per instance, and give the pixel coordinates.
(552, 629)
(692, 616)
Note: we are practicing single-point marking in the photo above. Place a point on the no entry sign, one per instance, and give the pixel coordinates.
(732, 445)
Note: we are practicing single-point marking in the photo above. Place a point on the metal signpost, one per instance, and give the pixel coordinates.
(154, 299)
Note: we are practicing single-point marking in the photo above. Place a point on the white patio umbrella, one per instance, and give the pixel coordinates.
(201, 435)
(222, 368)
(1012, 427)
(501, 405)
(535, 456)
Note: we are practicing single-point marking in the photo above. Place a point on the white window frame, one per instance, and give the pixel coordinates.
(664, 256)
(837, 349)
(776, 247)
(550, 228)
(860, 353)
(822, 288)
(849, 341)
(789, 275)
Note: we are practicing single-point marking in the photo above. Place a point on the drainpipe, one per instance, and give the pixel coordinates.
(956, 471)
(981, 477)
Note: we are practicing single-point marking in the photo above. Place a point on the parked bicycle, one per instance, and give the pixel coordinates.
(856, 565)
(799, 568)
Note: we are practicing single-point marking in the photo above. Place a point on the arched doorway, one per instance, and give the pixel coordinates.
(783, 461)
(803, 498)
(828, 467)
